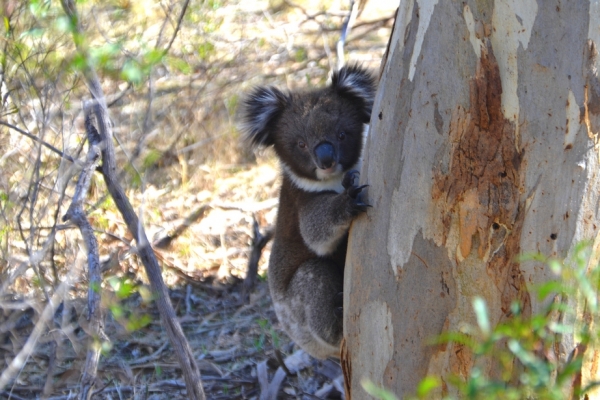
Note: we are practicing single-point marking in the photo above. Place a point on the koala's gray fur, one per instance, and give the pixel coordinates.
(318, 137)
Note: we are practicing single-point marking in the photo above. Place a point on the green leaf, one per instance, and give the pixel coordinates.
(78, 63)
(205, 50)
(179, 65)
(125, 289)
(482, 315)
(549, 287)
(560, 328)
(116, 310)
(427, 385)
(526, 357)
(555, 266)
(151, 158)
(132, 72)
(33, 32)
(456, 337)
(135, 323)
(64, 24)
(376, 391)
(104, 55)
(154, 57)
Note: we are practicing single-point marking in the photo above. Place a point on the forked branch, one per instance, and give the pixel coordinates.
(77, 215)
(180, 345)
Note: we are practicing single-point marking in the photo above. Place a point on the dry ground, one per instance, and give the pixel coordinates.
(179, 151)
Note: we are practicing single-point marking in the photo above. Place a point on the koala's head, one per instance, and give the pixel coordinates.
(317, 135)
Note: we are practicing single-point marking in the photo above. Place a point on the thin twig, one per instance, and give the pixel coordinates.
(40, 141)
(181, 15)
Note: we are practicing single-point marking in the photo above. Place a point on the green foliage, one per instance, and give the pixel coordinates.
(231, 103)
(377, 392)
(179, 64)
(126, 315)
(301, 54)
(266, 330)
(259, 342)
(426, 386)
(521, 346)
(205, 50)
(4, 202)
(158, 372)
(151, 158)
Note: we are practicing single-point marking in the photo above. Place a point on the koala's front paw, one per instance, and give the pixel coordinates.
(354, 192)
(350, 177)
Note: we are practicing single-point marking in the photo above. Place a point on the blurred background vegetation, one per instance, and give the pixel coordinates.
(173, 73)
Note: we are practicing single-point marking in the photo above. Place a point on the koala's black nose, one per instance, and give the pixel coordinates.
(325, 155)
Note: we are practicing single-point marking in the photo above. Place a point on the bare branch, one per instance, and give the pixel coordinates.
(77, 215)
(181, 15)
(259, 241)
(165, 241)
(178, 340)
(20, 359)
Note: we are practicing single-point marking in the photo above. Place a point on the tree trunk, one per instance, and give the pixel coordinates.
(483, 146)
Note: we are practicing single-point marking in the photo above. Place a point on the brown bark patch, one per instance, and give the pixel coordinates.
(591, 74)
(592, 94)
(483, 184)
(462, 360)
(346, 364)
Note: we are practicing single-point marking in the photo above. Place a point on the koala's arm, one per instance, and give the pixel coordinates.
(323, 223)
(326, 217)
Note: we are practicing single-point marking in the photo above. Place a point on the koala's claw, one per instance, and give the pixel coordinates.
(363, 206)
(355, 190)
(350, 178)
(349, 182)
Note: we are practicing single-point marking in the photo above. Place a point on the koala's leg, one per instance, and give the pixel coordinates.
(309, 310)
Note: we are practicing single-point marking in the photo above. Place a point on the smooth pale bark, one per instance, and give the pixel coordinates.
(483, 146)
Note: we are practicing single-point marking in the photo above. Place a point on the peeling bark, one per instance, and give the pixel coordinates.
(483, 145)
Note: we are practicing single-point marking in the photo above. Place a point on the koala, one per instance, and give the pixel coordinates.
(318, 137)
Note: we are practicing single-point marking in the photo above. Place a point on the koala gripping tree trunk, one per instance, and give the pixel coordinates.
(483, 146)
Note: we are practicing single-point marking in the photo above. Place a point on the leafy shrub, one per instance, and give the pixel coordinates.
(523, 347)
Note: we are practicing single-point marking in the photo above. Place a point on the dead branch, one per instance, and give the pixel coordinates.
(200, 212)
(19, 360)
(182, 349)
(295, 362)
(259, 241)
(197, 214)
(77, 215)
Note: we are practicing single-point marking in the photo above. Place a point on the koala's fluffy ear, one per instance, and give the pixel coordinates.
(258, 111)
(357, 84)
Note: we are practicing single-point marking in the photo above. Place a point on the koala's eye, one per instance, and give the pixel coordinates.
(341, 136)
(301, 144)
